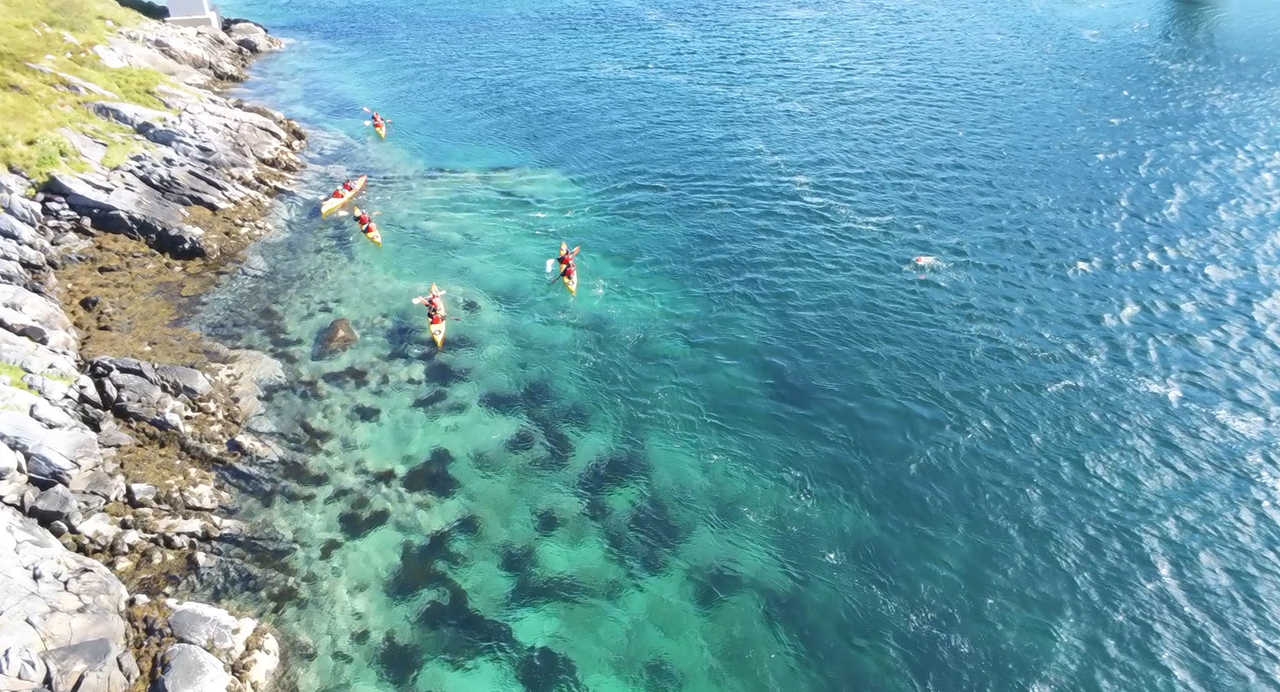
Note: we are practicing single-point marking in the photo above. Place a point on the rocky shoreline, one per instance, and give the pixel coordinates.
(114, 423)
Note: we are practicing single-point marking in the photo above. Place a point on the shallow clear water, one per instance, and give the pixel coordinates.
(760, 450)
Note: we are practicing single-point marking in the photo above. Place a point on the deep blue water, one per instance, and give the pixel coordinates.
(761, 449)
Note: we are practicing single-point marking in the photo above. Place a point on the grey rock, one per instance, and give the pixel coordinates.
(87, 665)
(130, 115)
(257, 367)
(251, 36)
(115, 438)
(21, 663)
(55, 504)
(90, 149)
(182, 381)
(141, 495)
(259, 666)
(119, 202)
(10, 462)
(19, 232)
(51, 598)
(128, 666)
(175, 526)
(109, 487)
(211, 628)
(53, 455)
(34, 357)
(187, 668)
(22, 255)
(200, 497)
(25, 210)
(58, 528)
(99, 530)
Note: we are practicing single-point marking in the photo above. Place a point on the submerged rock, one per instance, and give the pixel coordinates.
(336, 338)
(356, 525)
(432, 475)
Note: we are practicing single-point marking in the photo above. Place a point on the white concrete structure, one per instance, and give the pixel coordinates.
(194, 13)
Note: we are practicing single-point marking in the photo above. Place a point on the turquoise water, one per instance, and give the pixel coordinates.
(762, 450)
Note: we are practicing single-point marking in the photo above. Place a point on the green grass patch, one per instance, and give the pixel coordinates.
(15, 373)
(34, 105)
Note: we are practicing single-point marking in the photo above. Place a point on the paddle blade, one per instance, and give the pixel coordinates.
(551, 265)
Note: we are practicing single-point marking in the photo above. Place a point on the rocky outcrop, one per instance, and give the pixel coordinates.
(209, 152)
(97, 454)
(62, 621)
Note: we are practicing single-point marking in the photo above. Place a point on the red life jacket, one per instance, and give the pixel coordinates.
(436, 318)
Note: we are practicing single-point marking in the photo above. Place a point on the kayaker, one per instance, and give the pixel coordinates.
(347, 186)
(432, 302)
(363, 219)
(570, 270)
(566, 258)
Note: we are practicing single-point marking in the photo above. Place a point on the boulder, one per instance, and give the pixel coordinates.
(251, 36)
(258, 668)
(211, 628)
(187, 668)
(200, 497)
(100, 530)
(336, 338)
(55, 504)
(141, 495)
(98, 482)
(181, 381)
(115, 437)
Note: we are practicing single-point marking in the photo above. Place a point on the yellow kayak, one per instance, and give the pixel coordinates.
(571, 284)
(333, 204)
(370, 231)
(437, 330)
(381, 129)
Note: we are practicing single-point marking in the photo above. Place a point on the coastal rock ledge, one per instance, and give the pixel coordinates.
(109, 464)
